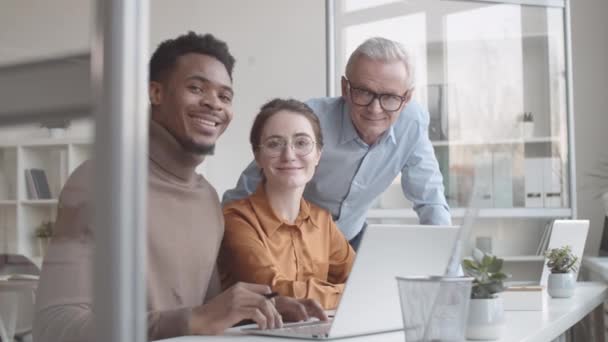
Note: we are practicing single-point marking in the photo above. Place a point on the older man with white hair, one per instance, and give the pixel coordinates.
(372, 133)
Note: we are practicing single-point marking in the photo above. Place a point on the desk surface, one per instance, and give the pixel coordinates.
(18, 285)
(521, 326)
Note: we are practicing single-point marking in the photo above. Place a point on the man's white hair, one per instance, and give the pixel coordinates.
(382, 49)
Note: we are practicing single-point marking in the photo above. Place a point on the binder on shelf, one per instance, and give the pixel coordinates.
(533, 182)
(29, 184)
(502, 176)
(40, 183)
(483, 177)
(438, 121)
(552, 183)
(544, 240)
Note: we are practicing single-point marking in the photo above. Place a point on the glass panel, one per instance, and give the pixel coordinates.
(415, 40)
(355, 5)
(43, 75)
(493, 77)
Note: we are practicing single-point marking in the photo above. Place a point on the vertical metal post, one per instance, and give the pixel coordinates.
(330, 46)
(119, 73)
(570, 108)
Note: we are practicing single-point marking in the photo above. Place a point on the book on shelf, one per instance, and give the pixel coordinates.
(533, 182)
(502, 179)
(37, 184)
(31, 188)
(483, 177)
(438, 120)
(544, 240)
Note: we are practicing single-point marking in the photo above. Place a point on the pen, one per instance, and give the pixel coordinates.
(270, 295)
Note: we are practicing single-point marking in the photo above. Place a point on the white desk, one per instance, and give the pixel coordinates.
(9, 309)
(521, 326)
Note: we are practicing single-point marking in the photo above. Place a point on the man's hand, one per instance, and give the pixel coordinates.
(241, 301)
(295, 310)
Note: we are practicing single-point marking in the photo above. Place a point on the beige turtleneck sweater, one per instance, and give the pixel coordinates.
(185, 228)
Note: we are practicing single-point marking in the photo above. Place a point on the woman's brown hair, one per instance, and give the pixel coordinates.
(274, 106)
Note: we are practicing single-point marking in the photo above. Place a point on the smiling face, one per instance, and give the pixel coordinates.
(194, 101)
(287, 170)
(380, 77)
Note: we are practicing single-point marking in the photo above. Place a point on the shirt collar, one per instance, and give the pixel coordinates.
(349, 132)
(269, 220)
(390, 134)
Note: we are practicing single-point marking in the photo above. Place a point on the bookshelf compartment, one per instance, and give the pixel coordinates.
(33, 216)
(20, 215)
(8, 173)
(8, 228)
(53, 160)
(79, 153)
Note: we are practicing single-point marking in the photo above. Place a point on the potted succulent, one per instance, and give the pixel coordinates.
(43, 233)
(563, 264)
(528, 125)
(56, 127)
(486, 311)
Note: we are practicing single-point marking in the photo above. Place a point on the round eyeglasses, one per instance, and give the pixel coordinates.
(363, 97)
(301, 145)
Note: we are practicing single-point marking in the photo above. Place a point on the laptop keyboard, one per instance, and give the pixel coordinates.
(312, 329)
(316, 330)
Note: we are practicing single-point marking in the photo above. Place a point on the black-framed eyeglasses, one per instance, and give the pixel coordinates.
(301, 145)
(363, 97)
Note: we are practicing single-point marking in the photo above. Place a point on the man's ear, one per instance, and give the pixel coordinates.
(408, 97)
(155, 92)
(344, 85)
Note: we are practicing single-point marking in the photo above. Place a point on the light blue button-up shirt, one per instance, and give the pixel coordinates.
(352, 174)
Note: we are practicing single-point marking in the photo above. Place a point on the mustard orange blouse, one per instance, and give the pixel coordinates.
(308, 259)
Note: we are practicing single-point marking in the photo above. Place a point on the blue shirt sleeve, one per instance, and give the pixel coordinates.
(246, 185)
(422, 182)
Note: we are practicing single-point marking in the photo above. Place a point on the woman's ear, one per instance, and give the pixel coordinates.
(257, 161)
(319, 157)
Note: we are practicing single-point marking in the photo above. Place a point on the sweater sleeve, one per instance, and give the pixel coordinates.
(64, 298)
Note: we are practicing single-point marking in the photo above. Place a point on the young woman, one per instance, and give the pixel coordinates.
(276, 237)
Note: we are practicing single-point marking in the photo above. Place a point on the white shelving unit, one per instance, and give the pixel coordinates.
(518, 141)
(20, 215)
(548, 213)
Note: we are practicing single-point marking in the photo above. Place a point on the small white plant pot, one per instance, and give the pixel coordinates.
(528, 128)
(57, 132)
(486, 319)
(561, 285)
(43, 245)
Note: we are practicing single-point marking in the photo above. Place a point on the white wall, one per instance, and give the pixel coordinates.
(280, 50)
(35, 29)
(279, 46)
(590, 67)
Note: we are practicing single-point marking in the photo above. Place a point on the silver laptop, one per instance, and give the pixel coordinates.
(370, 302)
